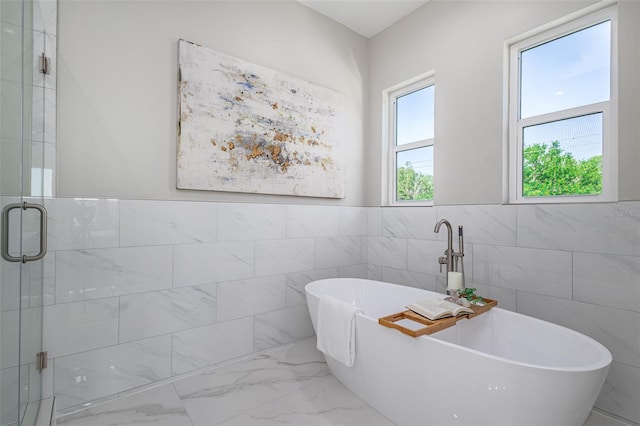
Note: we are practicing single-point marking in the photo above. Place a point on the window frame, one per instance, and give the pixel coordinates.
(573, 23)
(421, 82)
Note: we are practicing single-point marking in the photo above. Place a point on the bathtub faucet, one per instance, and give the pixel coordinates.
(453, 260)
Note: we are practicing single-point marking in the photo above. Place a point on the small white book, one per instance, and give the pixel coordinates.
(438, 308)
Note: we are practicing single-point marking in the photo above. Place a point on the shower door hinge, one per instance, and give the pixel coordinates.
(44, 64)
(41, 361)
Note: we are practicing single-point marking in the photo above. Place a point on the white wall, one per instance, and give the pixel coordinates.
(117, 71)
(629, 95)
(463, 41)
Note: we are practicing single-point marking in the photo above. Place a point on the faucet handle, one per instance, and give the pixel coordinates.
(442, 260)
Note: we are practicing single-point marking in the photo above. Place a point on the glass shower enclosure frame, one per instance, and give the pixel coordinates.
(23, 91)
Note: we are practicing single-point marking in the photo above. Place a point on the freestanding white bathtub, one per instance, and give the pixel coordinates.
(500, 368)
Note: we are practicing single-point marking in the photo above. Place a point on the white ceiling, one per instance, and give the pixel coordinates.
(366, 17)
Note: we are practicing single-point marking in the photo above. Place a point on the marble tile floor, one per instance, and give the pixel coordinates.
(288, 385)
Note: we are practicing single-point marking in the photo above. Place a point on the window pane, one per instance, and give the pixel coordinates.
(563, 157)
(414, 116)
(567, 72)
(414, 174)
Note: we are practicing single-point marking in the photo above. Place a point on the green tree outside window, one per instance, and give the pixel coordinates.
(412, 185)
(549, 170)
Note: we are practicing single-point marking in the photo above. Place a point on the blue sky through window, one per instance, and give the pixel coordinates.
(415, 122)
(414, 116)
(567, 72)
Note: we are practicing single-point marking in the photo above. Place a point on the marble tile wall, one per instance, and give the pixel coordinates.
(138, 292)
(574, 265)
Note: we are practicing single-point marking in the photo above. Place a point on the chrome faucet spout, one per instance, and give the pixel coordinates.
(449, 252)
(436, 229)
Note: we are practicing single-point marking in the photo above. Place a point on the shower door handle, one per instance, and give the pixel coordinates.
(5, 232)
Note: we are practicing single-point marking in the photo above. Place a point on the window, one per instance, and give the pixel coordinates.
(562, 144)
(411, 138)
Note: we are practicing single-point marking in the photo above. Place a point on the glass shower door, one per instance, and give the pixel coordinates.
(21, 280)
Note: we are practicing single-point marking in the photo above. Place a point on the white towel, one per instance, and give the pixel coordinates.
(337, 329)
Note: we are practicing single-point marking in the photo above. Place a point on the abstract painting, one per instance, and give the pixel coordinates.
(247, 128)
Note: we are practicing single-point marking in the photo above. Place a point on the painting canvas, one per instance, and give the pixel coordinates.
(246, 128)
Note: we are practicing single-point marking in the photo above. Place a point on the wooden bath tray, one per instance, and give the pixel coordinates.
(431, 326)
